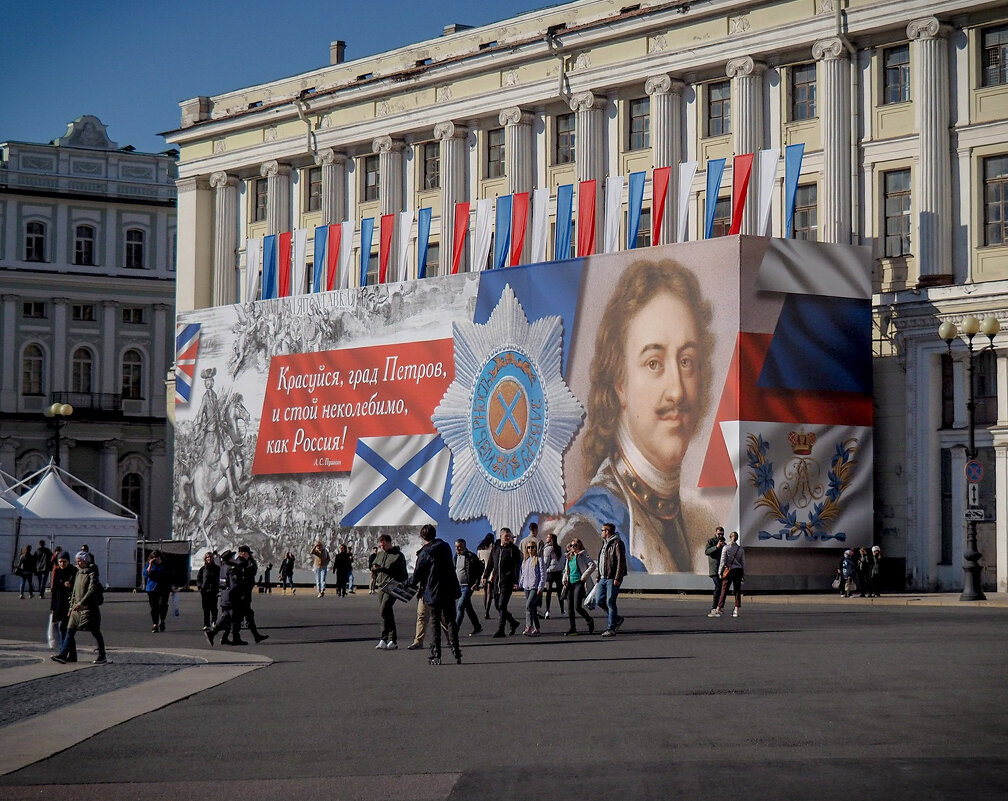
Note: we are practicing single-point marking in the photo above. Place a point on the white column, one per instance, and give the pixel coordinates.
(334, 185)
(225, 238)
(8, 356)
(390, 192)
(453, 185)
(109, 363)
(834, 120)
(666, 142)
(930, 74)
(589, 148)
(158, 509)
(278, 196)
(59, 346)
(747, 125)
(109, 467)
(517, 149)
(194, 269)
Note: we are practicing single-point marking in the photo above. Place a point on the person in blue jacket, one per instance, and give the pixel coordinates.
(158, 589)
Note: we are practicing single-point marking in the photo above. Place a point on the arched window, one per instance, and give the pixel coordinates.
(83, 369)
(131, 493)
(134, 249)
(132, 375)
(35, 235)
(84, 237)
(33, 370)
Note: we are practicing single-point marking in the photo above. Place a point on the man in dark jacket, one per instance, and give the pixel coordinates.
(247, 579)
(505, 567)
(612, 569)
(388, 565)
(208, 583)
(43, 566)
(468, 570)
(343, 565)
(435, 572)
(713, 550)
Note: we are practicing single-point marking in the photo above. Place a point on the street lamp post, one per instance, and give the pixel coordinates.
(57, 412)
(971, 326)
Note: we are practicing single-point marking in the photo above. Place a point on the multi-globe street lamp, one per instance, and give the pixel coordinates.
(971, 326)
(57, 412)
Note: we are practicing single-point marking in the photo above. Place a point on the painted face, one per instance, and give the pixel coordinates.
(661, 392)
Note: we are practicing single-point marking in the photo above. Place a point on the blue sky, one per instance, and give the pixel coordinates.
(130, 63)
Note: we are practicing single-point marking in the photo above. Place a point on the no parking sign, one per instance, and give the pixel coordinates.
(974, 471)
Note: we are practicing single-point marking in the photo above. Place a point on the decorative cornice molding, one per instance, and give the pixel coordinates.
(744, 67)
(514, 116)
(826, 49)
(926, 28)
(586, 101)
(449, 130)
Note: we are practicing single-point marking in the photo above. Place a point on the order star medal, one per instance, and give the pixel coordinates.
(507, 417)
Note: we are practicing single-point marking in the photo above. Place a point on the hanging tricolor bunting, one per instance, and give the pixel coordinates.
(613, 211)
(715, 169)
(269, 271)
(334, 249)
(540, 224)
(366, 235)
(793, 155)
(253, 252)
(635, 205)
(461, 228)
(423, 241)
(502, 232)
(659, 192)
(586, 219)
(300, 264)
(320, 259)
(768, 160)
(186, 347)
(519, 224)
(741, 172)
(385, 246)
(283, 264)
(484, 234)
(687, 172)
(345, 278)
(565, 210)
(402, 254)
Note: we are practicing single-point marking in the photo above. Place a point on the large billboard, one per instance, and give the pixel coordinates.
(666, 390)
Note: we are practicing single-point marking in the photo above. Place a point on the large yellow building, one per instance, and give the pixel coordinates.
(902, 108)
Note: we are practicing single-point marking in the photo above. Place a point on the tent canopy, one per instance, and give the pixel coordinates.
(51, 499)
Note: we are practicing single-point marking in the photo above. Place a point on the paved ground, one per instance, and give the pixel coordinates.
(801, 697)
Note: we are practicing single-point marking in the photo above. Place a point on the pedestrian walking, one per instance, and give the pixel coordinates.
(24, 568)
(847, 570)
(532, 579)
(343, 566)
(85, 599)
(713, 550)
(158, 586)
(484, 551)
(578, 568)
(389, 565)
(43, 566)
(287, 573)
(370, 564)
(875, 572)
(553, 564)
(862, 571)
(612, 569)
(320, 564)
(505, 565)
(350, 579)
(435, 573)
(247, 582)
(60, 596)
(208, 584)
(230, 602)
(732, 569)
(469, 571)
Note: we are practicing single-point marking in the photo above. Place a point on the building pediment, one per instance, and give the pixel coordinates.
(87, 132)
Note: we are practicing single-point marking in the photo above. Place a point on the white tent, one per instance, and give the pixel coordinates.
(53, 512)
(8, 540)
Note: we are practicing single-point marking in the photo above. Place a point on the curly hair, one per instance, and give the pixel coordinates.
(640, 284)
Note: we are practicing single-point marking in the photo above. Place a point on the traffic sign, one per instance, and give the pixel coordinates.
(974, 471)
(976, 515)
(972, 494)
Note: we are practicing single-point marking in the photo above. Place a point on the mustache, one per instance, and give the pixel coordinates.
(674, 407)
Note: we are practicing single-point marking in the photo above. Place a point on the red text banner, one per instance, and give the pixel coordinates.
(318, 404)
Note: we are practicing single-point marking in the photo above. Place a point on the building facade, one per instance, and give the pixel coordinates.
(902, 109)
(87, 283)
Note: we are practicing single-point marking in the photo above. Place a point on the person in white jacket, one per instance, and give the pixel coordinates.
(532, 579)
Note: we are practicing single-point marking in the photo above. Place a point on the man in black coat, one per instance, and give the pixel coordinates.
(505, 567)
(435, 573)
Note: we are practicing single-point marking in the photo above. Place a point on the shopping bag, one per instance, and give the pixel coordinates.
(593, 597)
(174, 604)
(52, 633)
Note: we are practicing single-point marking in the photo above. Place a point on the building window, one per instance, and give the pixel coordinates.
(260, 195)
(84, 236)
(644, 231)
(985, 388)
(33, 309)
(433, 258)
(803, 92)
(722, 217)
(563, 152)
(132, 375)
(640, 124)
(896, 186)
(313, 189)
(32, 370)
(718, 108)
(134, 249)
(35, 233)
(495, 153)
(804, 223)
(82, 312)
(995, 56)
(372, 174)
(995, 177)
(372, 269)
(131, 493)
(896, 74)
(947, 536)
(133, 315)
(431, 165)
(948, 392)
(82, 371)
